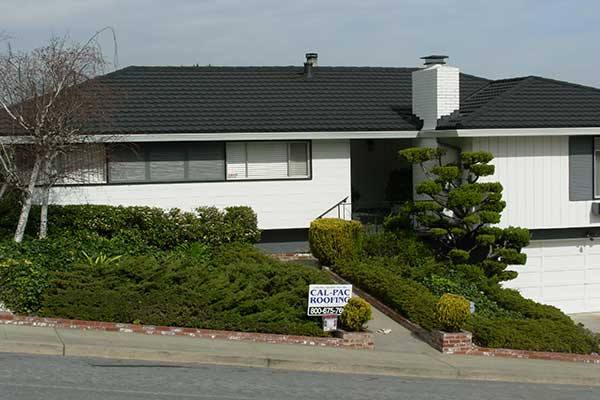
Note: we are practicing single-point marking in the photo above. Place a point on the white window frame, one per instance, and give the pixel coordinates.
(308, 144)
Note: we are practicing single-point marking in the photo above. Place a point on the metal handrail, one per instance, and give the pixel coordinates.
(343, 201)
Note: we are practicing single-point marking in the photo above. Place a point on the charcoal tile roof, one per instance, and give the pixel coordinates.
(140, 100)
(262, 99)
(527, 102)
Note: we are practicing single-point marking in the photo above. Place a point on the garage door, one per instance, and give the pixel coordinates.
(563, 273)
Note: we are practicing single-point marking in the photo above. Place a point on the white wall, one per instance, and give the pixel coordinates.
(535, 174)
(279, 204)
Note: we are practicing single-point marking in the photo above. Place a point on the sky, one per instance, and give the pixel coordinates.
(495, 39)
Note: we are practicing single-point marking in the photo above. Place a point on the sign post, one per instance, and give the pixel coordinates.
(328, 301)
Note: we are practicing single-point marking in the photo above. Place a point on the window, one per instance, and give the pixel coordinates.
(85, 164)
(167, 162)
(596, 167)
(267, 160)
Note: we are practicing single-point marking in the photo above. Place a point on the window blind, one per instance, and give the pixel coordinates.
(236, 160)
(267, 160)
(298, 164)
(167, 162)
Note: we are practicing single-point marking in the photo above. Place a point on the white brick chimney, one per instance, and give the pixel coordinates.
(435, 90)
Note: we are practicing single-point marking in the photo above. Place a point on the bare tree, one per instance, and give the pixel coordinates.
(49, 96)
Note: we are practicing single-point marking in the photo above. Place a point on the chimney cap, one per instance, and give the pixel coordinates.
(435, 59)
(311, 58)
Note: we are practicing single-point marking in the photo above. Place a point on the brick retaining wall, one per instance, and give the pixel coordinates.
(353, 340)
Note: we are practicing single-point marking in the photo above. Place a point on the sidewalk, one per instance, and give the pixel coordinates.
(395, 354)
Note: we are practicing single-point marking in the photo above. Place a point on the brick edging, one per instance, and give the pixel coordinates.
(462, 342)
(353, 340)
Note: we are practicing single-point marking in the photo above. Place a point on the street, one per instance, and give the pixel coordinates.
(25, 377)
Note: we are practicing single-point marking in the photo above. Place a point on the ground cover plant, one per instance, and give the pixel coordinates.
(150, 266)
(231, 287)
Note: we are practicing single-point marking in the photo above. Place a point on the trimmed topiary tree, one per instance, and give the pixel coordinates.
(459, 212)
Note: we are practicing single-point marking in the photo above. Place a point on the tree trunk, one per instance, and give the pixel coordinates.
(3, 190)
(44, 212)
(27, 201)
(44, 205)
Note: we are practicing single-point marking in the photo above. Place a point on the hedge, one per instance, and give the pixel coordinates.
(149, 225)
(236, 288)
(407, 297)
(334, 240)
(533, 334)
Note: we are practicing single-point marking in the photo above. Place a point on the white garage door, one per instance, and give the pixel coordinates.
(563, 273)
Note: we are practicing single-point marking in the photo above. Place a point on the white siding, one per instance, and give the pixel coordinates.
(279, 204)
(562, 273)
(535, 174)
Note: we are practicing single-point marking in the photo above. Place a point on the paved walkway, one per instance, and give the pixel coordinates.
(396, 354)
(589, 320)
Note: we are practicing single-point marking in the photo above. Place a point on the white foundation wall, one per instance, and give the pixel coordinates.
(534, 172)
(280, 204)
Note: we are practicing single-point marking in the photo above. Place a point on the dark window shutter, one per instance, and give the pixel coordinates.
(581, 168)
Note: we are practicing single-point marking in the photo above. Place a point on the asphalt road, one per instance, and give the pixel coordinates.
(24, 377)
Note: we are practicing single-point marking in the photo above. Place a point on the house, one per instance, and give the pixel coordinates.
(299, 142)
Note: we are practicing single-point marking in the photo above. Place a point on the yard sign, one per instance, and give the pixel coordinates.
(328, 299)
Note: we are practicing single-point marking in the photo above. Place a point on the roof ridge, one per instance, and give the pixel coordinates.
(497, 99)
(565, 83)
(268, 67)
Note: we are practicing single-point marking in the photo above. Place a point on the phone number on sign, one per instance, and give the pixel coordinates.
(318, 311)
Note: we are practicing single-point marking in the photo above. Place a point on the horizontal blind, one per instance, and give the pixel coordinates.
(206, 161)
(236, 160)
(166, 162)
(127, 164)
(298, 159)
(82, 164)
(267, 160)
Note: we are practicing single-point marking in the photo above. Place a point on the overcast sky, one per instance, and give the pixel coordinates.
(494, 39)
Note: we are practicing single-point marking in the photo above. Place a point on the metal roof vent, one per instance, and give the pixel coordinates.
(310, 64)
(435, 59)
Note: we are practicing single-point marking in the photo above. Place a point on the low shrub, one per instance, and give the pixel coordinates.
(533, 334)
(234, 288)
(334, 240)
(405, 296)
(512, 300)
(356, 314)
(452, 312)
(22, 284)
(405, 246)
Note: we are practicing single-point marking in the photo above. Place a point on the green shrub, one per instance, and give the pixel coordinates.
(405, 296)
(532, 334)
(512, 300)
(242, 223)
(148, 225)
(402, 244)
(356, 314)
(234, 288)
(334, 240)
(22, 284)
(452, 312)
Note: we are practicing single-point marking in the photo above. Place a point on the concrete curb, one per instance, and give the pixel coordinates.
(187, 357)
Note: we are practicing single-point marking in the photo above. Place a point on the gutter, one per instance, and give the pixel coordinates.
(182, 137)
